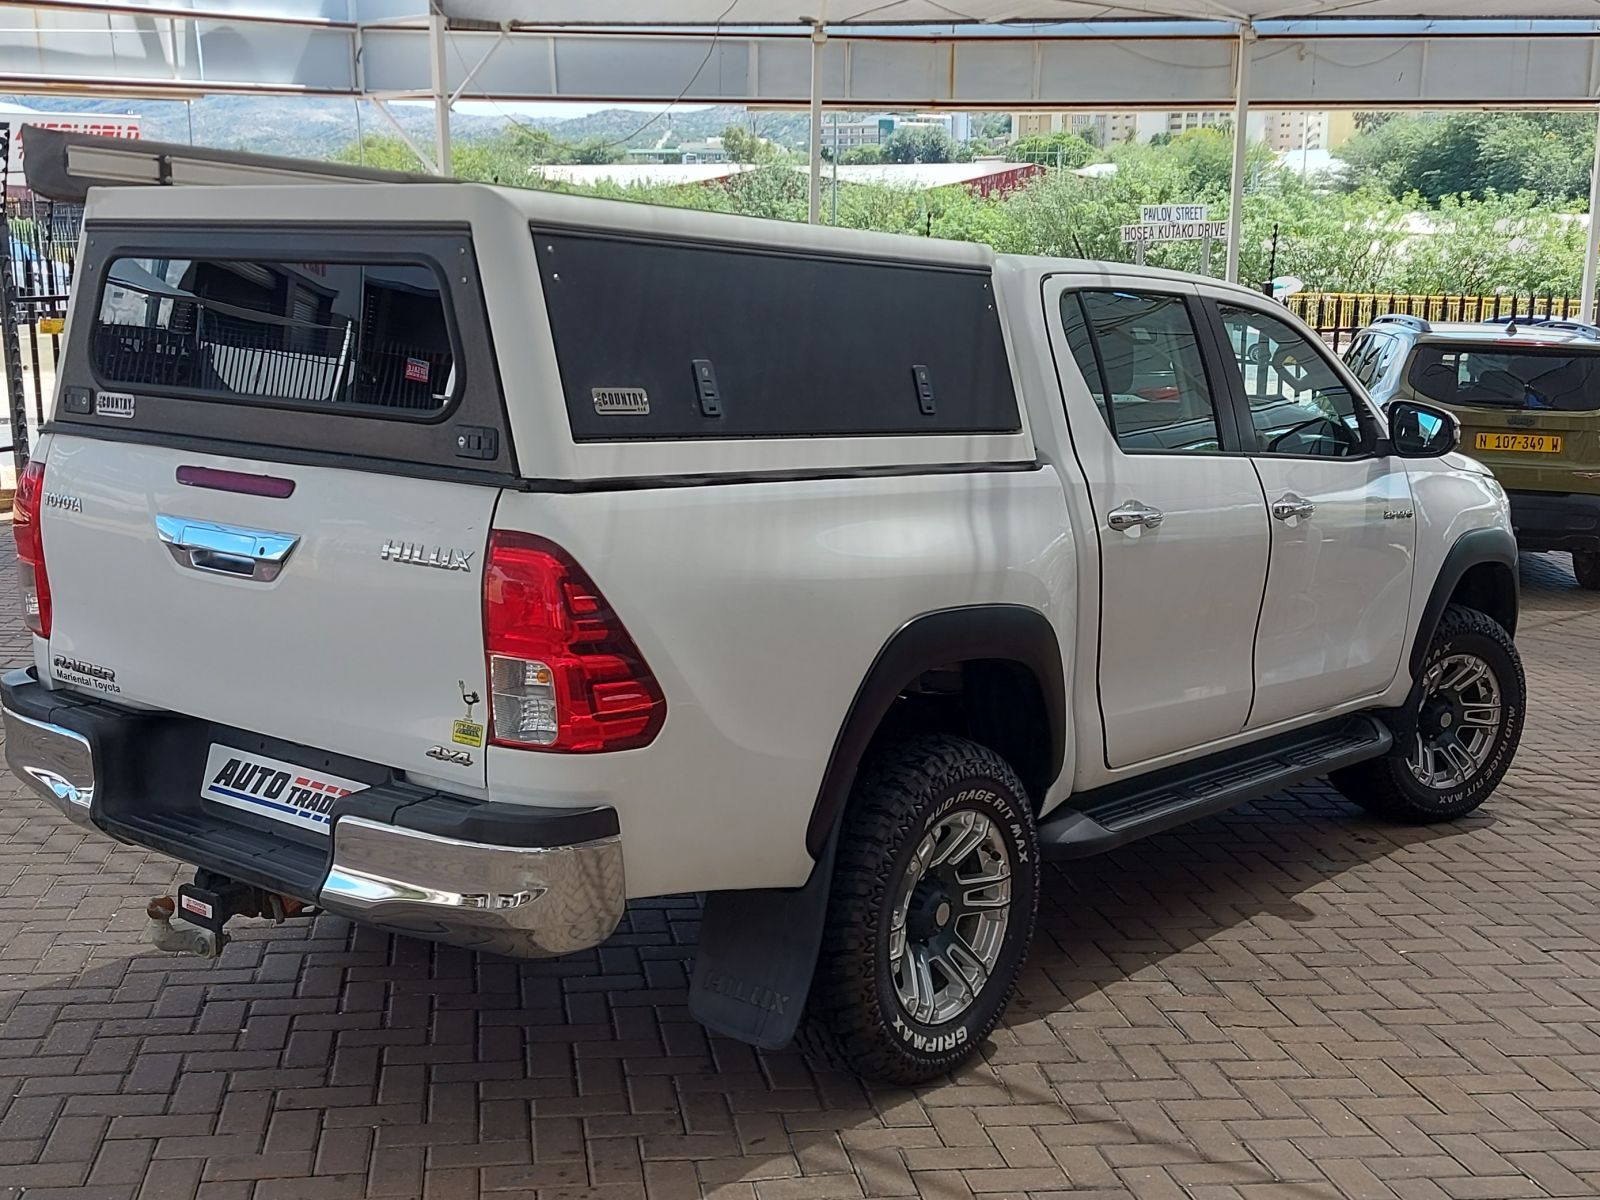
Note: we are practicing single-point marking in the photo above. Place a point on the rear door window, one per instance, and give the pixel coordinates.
(1560, 378)
(1140, 355)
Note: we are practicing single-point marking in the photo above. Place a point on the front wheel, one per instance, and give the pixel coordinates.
(1586, 569)
(934, 894)
(1467, 713)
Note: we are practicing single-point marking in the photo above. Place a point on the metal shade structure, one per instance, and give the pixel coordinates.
(898, 54)
(995, 12)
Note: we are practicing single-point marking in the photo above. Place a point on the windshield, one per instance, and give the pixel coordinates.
(1561, 378)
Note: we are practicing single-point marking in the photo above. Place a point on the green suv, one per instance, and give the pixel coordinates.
(1528, 395)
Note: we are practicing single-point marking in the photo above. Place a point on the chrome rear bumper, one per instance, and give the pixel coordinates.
(520, 900)
(53, 760)
(510, 899)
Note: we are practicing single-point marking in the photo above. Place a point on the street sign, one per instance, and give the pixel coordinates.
(1174, 231)
(1174, 223)
(1160, 214)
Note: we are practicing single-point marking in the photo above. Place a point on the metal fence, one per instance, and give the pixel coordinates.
(1339, 316)
(38, 249)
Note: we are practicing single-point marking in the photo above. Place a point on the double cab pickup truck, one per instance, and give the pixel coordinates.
(470, 562)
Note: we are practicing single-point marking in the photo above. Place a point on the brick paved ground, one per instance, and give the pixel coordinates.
(1292, 1002)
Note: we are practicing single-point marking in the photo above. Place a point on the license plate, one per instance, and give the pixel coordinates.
(1528, 443)
(270, 787)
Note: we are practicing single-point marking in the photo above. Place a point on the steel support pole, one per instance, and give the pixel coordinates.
(10, 315)
(1241, 143)
(441, 91)
(819, 38)
(1591, 252)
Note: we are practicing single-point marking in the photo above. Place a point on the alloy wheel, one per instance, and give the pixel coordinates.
(1458, 722)
(949, 917)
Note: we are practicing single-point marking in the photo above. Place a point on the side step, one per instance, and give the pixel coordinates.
(1111, 816)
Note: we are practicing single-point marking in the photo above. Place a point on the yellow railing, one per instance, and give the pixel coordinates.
(1344, 312)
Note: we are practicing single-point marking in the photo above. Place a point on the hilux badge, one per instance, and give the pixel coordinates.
(418, 555)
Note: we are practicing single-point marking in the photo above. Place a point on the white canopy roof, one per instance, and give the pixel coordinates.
(946, 12)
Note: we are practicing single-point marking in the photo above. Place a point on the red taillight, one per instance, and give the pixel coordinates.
(563, 672)
(30, 548)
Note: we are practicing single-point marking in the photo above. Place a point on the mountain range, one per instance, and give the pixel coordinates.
(320, 128)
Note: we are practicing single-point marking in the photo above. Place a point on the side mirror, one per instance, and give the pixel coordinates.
(1421, 430)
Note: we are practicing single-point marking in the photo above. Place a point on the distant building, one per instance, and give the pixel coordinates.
(876, 128)
(1280, 130)
(709, 151)
(1304, 130)
(1101, 128)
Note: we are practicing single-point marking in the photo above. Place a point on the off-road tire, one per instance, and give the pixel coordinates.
(1586, 569)
(901, 793)
(1387, 787)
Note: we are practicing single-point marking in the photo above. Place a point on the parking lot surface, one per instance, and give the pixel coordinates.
(1291, 1002)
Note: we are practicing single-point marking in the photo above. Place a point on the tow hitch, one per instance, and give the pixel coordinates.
(205, 906)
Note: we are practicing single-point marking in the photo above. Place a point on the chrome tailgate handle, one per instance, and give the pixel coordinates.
(257, 554)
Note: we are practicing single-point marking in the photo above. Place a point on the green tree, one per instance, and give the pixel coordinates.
(743, 146)
(597, 150)
(919, 144)
(992, 127)
(1476, 154)
(861, 156)
(1054, 150)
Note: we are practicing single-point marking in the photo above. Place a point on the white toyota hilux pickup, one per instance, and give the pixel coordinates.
(470, 562)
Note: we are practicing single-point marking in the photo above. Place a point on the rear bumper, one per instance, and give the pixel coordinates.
(510, 878)
(1555, 520)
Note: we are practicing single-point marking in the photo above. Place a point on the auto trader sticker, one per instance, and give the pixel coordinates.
(269, 787)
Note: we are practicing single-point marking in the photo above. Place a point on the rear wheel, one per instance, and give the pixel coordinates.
(1468, 713)
(934, 894)
(1586, 569)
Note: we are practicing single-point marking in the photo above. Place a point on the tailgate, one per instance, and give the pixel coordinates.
(344, 616)
(272, 466)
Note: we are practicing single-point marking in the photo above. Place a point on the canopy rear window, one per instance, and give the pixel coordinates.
(1564, 378)
(370, 336)
(364, 346)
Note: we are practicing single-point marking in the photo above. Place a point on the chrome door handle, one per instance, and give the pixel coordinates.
(1292, 506)
(1125, 516)
(257, 554)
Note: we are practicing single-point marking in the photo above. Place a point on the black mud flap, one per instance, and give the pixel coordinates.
(756, 956)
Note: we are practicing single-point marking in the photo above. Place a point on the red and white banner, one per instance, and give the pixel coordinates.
(100, 124)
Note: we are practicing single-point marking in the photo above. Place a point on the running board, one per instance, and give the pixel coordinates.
(1111, 816)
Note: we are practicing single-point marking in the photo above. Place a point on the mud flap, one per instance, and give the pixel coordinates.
(756, 956)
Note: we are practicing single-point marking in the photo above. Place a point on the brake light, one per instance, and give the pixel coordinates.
(563, 673)
(35, 584)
